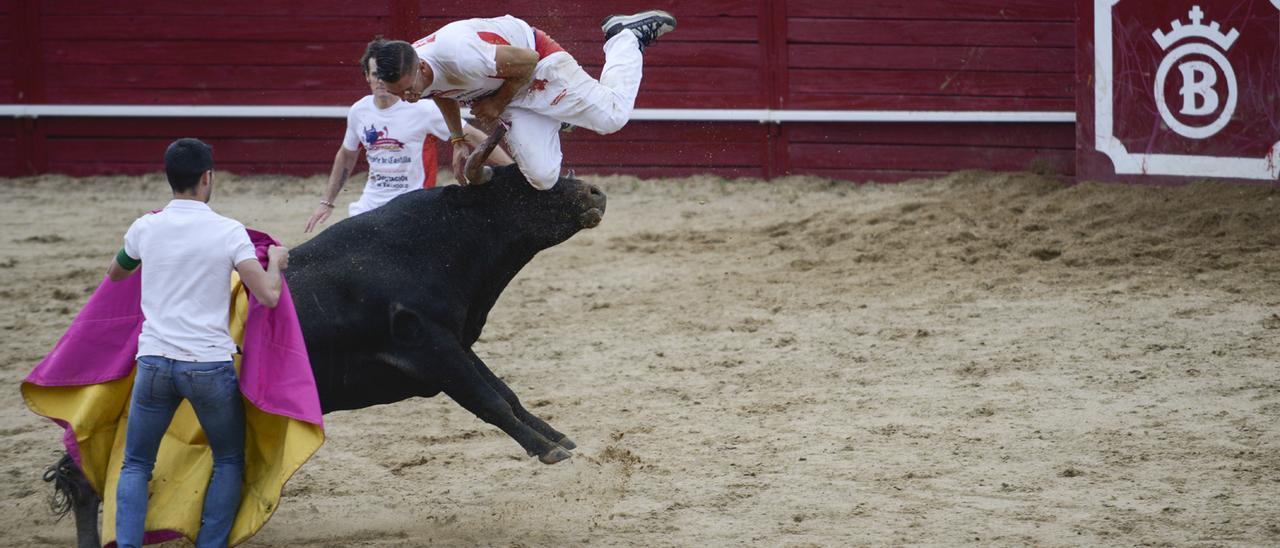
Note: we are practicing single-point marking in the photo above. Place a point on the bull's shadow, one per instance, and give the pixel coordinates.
(391, 301)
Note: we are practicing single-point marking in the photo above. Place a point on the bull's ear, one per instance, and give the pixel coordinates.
(462, 196)
(509, 170)
(407, 327)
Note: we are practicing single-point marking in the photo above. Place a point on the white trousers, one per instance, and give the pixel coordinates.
(562, 92)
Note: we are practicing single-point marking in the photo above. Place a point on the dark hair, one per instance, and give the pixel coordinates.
(370, 52)
(395, 58)
(185, 161)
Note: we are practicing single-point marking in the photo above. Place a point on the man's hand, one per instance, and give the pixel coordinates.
(321, 214)
(488, 109)
(461, 150)
(265, 284)
(515, 67)
(278, 256)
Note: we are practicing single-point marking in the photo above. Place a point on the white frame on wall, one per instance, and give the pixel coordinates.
(1127, 163)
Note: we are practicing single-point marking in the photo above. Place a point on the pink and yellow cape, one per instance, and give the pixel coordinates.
(84, 385)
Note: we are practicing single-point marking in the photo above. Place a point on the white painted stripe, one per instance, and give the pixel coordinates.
(647, 114)
(172, 111)
(920, 116)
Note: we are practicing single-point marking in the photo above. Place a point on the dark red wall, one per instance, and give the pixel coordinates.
(744, 54)
(1251, 130)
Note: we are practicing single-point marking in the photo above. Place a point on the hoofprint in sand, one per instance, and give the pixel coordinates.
(982, 358)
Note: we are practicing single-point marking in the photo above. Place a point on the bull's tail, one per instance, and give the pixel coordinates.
(67, 492)
(72, 492)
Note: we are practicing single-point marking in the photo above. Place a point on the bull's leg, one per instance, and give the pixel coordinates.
(467, 387)
(73, 493)
(463, 382)
(533, 421)
(452, 369)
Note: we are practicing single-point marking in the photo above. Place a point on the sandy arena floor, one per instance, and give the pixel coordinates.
(984, 359)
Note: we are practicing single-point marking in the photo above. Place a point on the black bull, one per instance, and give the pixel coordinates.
(391, 301)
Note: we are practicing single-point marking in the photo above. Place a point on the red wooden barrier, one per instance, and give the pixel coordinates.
(9, 146)
(1180, 89)
(1012, 55)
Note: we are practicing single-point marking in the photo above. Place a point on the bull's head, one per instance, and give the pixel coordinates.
(549, 216)
(555, 214)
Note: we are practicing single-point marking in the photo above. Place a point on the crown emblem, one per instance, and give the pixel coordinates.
(1209, 32)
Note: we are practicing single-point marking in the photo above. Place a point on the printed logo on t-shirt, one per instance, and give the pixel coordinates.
(374, 139)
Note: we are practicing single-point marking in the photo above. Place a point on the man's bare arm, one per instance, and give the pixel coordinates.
(515, 67)
(461, 148)
(452, 114)
(118, 270)
(265, 284)
(344, 162)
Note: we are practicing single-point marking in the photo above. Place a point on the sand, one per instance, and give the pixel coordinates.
(986, 359)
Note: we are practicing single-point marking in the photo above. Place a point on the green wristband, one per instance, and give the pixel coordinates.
(125, 261)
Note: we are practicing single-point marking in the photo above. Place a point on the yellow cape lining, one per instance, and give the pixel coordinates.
(275, 447)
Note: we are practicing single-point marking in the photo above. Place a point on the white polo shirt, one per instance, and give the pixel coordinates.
(187, 253)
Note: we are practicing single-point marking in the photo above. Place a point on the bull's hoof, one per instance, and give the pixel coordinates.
(567, 443)
(555, 455)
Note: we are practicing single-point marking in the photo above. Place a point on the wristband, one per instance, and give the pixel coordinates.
(326, 203)
(455, 139)
(125, 261)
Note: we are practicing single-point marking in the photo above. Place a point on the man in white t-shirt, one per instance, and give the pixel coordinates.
(399, 142)
(185, 349)
(505, 68)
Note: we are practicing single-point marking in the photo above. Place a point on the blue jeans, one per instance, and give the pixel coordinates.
(160, 385)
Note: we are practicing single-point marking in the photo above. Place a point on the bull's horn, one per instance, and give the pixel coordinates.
(476, 172)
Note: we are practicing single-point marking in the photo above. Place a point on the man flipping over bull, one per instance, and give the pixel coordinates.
(504, 68)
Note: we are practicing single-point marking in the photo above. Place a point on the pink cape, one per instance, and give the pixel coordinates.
(102, 341)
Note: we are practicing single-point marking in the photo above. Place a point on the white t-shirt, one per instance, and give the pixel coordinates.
(187, 253)
(395, 143)
(462, 55)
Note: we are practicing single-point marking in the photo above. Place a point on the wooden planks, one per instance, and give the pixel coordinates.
(8, 147)
(939, 10)
(977, 55)
(225, 28)
(912, 32)
(930, 54)
(136, 145)
(459, 9)
(898, 101)
(987, 135)
(988, 59)
(200, 52)
(261, 8)
(937, 158)
(944, 83)
(586, 28)
(109, 167)
(933, 147)
(8, 85)
(245, 52)
(187, 96)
